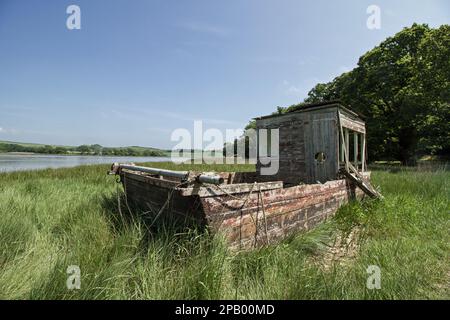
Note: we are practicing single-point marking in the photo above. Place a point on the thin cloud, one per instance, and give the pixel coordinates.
(294, 90)
(141, 113)
(183, 117)
(9, 130)
(291, 89)
(300, 90)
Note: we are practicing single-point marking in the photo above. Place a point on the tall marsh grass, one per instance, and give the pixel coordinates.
(51, 219)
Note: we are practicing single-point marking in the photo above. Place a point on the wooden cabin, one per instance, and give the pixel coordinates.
(311, 142)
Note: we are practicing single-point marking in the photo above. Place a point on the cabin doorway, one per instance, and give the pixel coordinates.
(321, 147)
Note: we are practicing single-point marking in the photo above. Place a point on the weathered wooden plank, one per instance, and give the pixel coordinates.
(281, 226)
(232, 208)
(273, 209)
(245, 227)
(355, 150)
(243, 231)
(213, 191)
(352, 124)
(363, 153)
(347, 145)
(153, 180)
(354, 176)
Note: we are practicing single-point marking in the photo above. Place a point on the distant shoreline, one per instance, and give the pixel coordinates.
(18, 153)
(30, 162)
(21, 148)
(76, 155)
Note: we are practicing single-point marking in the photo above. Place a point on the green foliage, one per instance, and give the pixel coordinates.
(251, 125)
(51, 219)
(402, 88)
(46, 149)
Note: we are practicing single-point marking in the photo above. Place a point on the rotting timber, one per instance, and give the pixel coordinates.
(315, 177)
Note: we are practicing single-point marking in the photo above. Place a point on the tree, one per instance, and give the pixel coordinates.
(402, 87)
(431, 87)
(84, 149)
(60, 150)
(96, 148)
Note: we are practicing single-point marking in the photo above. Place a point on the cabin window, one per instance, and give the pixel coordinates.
(320, 157)
(352, 149)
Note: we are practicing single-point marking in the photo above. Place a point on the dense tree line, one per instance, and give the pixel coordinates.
(94, 149)
(402, 88)
(12, 147)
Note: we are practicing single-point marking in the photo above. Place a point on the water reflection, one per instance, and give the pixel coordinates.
(16, 162)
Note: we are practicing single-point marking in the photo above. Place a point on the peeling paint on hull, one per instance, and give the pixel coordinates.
(248, 214)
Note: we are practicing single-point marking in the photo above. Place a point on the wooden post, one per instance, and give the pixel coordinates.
(363, 152)
(347, 147)
(355, 149)
(343, 142)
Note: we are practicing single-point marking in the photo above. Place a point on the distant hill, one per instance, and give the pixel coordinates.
(94, 149)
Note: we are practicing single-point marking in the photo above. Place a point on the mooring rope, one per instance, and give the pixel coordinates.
(264, 216)
(227, 193)
(125, 192)
(169, 199)
(169, 196)
(255, 222)
(119, 205)
(240, 209)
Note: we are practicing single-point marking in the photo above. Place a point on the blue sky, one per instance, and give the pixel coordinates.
(138, 69)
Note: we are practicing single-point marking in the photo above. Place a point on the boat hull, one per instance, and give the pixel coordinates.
(248, 215)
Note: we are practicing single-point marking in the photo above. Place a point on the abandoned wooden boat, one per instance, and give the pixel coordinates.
(315, 177)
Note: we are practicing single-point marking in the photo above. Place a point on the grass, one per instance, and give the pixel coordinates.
(52, 219)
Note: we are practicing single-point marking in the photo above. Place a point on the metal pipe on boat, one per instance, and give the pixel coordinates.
(203, 178)
(161, 172)
(183, 175)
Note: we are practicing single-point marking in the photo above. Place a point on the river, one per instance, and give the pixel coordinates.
(20, 162)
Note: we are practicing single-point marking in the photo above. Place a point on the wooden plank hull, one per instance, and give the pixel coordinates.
(248, 214)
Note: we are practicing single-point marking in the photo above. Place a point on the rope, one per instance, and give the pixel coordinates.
(169, 198)
(227, 193)
(167, 203)
(240, 209)
(118, 201)
(264, 217)
(125, 192)
(255, 222)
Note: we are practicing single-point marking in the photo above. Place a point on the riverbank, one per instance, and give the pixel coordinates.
(52, 219)
(21, 162)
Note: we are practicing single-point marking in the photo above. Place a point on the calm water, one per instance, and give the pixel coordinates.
(15, 162)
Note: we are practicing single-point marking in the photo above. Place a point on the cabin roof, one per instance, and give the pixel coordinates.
(312, 106)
